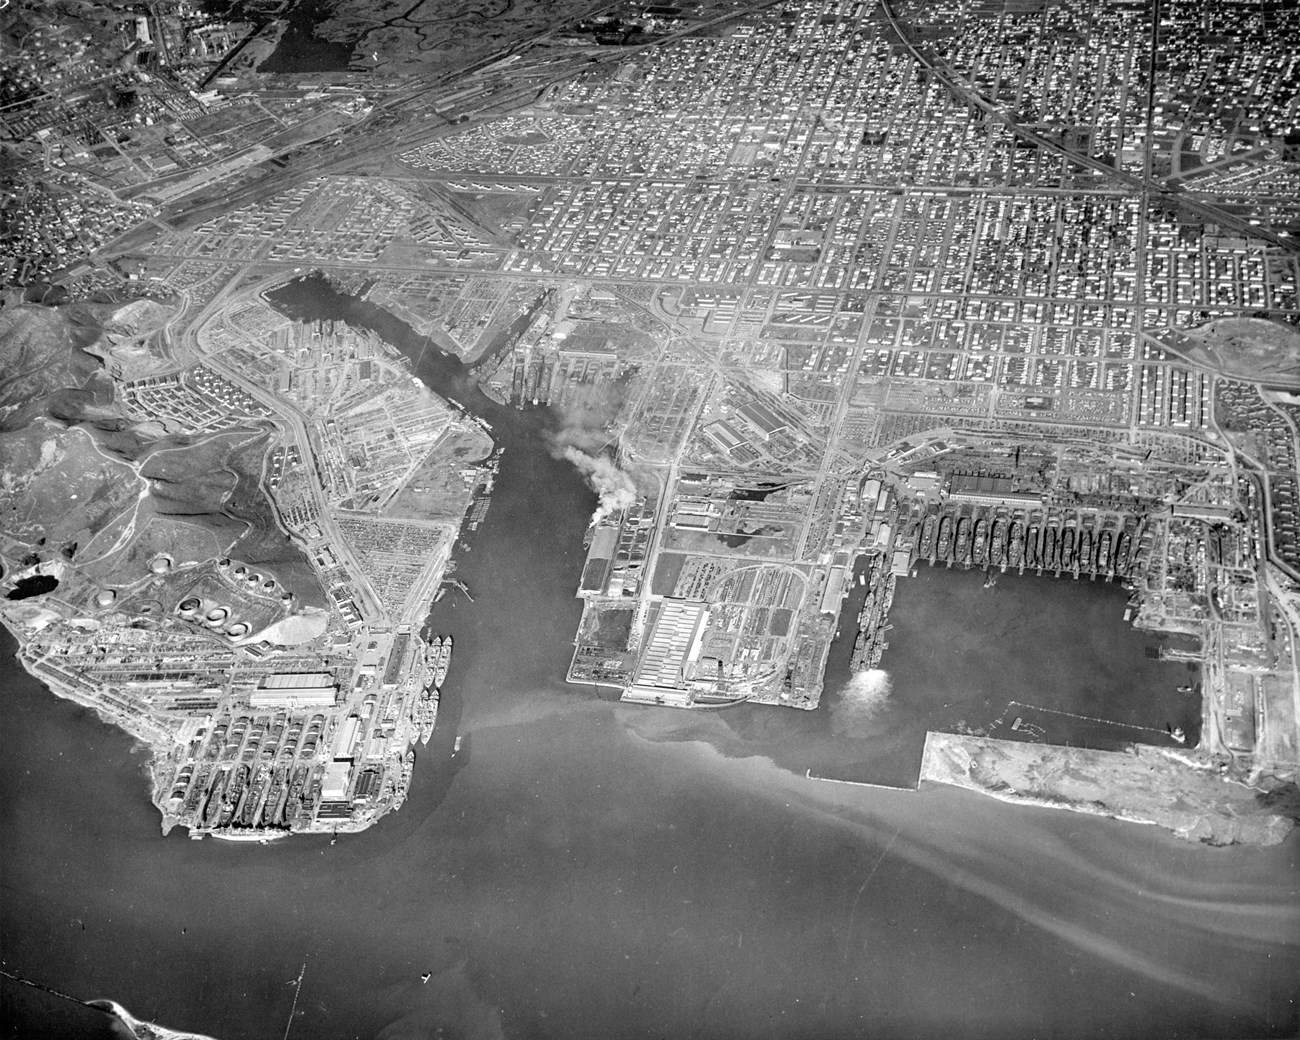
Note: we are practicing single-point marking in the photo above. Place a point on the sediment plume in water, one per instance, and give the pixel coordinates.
(863, 699)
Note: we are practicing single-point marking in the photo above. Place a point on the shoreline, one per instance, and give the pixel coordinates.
(1143, 785)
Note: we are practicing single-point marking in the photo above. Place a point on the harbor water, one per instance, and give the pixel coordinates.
(582, 868)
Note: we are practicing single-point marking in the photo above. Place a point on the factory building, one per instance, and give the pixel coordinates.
(296, 690)
(672, 649)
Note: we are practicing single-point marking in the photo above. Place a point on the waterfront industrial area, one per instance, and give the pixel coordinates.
(817, 295)
(285, 692)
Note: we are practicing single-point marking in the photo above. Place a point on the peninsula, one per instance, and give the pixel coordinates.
(226, 542)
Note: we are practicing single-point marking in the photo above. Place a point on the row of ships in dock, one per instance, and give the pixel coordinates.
(531, 382)
(258, 777)
(437, 659)
(1060, 542)
(256, 773)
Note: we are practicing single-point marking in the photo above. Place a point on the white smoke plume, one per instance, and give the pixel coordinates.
(864, 698)
(615, 487)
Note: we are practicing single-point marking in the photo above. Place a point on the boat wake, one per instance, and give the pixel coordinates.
(861, 701)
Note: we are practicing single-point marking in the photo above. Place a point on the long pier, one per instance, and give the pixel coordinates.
(1086, 718)
(862, 783)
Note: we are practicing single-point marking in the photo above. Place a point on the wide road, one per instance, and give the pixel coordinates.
(1145, 185)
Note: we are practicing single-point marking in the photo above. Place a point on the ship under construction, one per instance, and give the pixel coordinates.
(1079, 543)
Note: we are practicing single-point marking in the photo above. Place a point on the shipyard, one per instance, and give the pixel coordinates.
(287, 757)
(284, 682)
(753, 573)
(817, 425)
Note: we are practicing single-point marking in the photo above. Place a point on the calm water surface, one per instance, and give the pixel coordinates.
(587, 869)
(300, 49)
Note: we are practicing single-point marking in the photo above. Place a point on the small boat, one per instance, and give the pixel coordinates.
(456, 747)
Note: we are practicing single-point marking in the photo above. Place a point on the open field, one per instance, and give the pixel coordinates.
(1173, 790)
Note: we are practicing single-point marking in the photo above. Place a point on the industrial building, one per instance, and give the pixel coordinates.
(295, 689)
(673, 647)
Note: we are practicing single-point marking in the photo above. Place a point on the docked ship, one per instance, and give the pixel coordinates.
(1103, 552)
(1052, 546)
(212, 808)
(532, 376)
(1067, 547)
(293, 803)
(517, 384)
(254, 800)
(275, 798)
(428, 715)
(944, 550)
(437, 660)
(1125, 547)
(980, 550)
(927, 536)
(197, 789)
(1083, 560)
(1033, 556)
(259, 836)
(441, 661)
(1016, 544)
(962, 553)
(998, 548)
(234, 796)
